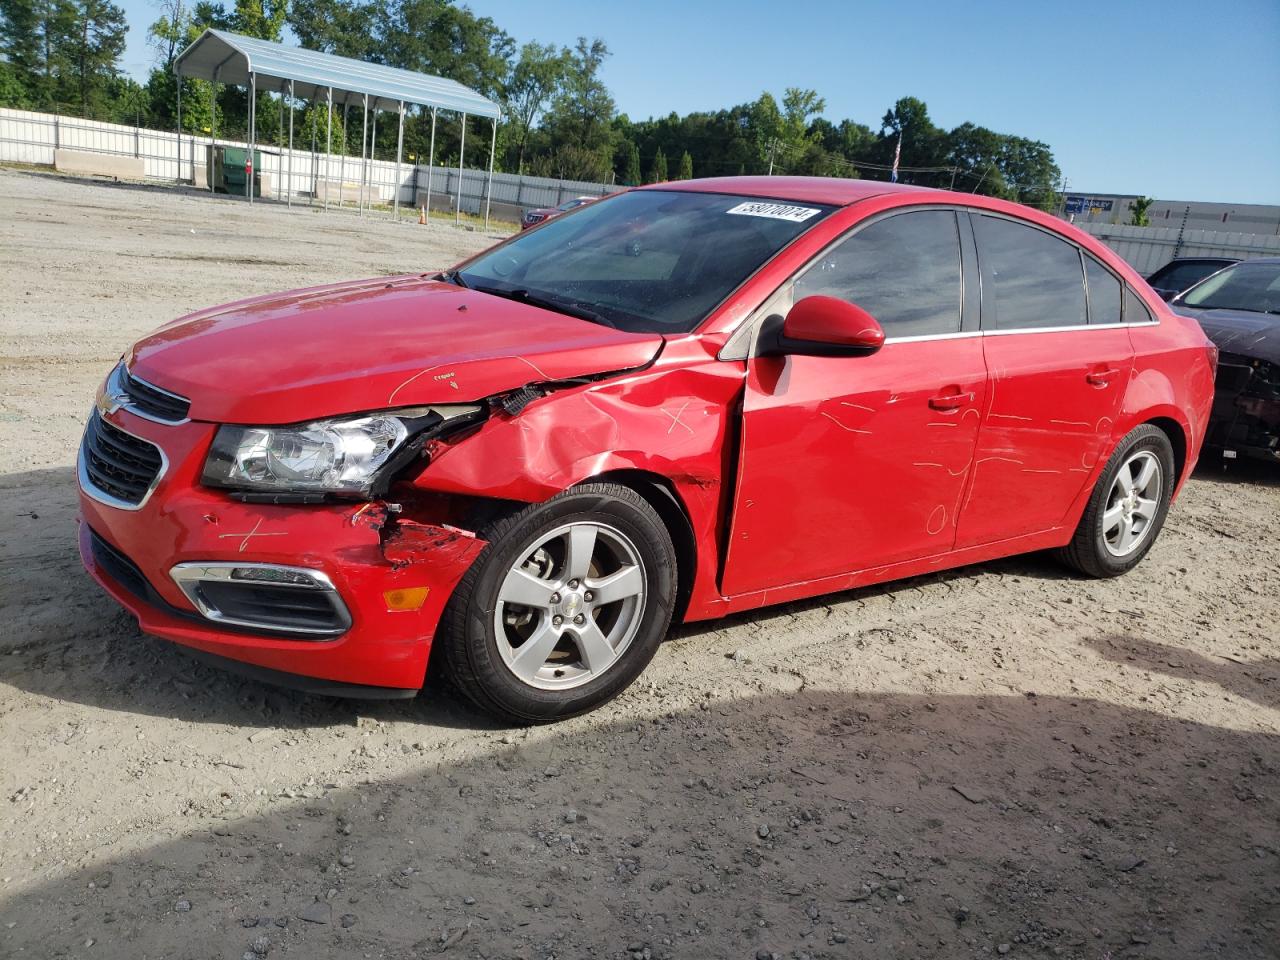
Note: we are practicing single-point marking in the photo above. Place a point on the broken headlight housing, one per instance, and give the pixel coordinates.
(346, 455)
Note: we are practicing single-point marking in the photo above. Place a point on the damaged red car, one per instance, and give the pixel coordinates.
(676, 403)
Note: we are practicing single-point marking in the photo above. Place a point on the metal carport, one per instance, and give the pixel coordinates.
(230, 58)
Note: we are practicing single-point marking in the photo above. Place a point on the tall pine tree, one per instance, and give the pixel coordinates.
(631, 175)
(686, 167)
(658, 173)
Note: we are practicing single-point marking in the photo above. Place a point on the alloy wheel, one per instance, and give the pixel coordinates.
(1133, 503)
(570, 606)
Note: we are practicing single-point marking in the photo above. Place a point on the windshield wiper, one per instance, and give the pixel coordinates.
(567, 307)
(455, 277)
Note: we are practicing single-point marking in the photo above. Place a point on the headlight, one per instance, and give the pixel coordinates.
(327, 456)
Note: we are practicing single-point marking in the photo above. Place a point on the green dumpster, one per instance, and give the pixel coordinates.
(227, 172)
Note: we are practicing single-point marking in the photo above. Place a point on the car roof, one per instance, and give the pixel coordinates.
(827, 190)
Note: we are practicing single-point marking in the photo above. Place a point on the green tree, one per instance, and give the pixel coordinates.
(686, 167)
(179, 25)
(658, 172)
(1138, 209)
(92, 51)
(631, 175)
(22, 28)
(348, 28)
(263, 19)
(533, 81)
(582, 109)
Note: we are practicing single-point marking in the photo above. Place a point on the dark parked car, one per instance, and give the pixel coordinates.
(537, 215)
(1239, 308)
(1184, 273)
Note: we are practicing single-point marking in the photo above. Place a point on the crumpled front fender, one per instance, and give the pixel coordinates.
(675, 421)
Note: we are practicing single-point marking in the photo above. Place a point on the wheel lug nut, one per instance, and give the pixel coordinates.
(579, 619)
(588, 596)
(555, 598)
(573, 584)
(557, 620)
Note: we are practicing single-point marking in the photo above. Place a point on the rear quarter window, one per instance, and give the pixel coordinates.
(1105, 293)
(1135, 311)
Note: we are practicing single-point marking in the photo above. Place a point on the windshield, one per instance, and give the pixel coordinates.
(1244, 286)
(649, 261)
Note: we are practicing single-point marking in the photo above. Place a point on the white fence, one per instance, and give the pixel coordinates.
(1149, 248)
(27, 137)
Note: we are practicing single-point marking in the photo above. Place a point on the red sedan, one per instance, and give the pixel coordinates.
(681, 402)
(537, 215)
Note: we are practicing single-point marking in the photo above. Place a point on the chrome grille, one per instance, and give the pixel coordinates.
(149, 400)
(116, 467)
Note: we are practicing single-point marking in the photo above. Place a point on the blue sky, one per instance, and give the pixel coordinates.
(1175, 99)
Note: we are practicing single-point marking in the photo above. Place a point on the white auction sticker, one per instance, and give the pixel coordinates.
(774, 211)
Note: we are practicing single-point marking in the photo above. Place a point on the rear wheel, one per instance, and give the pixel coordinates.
(564, 608)
(1127, 508)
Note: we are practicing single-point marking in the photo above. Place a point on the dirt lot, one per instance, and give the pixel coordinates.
(1002, 760)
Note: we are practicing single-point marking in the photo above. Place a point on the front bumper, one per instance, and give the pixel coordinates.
(1246, 409)
(361, 548)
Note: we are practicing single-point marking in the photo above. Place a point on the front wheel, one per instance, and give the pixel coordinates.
(565, 606)
(1127, 508)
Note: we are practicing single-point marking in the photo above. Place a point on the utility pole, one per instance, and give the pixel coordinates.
(772, 145)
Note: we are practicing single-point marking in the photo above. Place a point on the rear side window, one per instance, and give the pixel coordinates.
(1104, 292)
(903, 270)
(1135, 311)
(1180, 276)
(1038, 279)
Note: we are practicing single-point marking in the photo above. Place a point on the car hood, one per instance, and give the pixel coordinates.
(371, 345)
(1245, 333)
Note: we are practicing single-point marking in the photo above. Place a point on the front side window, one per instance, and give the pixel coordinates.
(1037, 278)
(1104, 292)
(903, 270)
(647, 261)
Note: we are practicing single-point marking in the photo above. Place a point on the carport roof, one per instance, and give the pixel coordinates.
(231, 58)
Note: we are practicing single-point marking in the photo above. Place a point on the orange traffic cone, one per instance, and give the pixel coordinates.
(422, 214)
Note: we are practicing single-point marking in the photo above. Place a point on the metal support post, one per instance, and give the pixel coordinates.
(462, 150)
(328, 147)
(364, 166)
(488, 187)
(342, 177)
(288, 193)
(431, 159)
(179, 174)
(213, 126)
(373, 141)
(249, 166)
(395, 201)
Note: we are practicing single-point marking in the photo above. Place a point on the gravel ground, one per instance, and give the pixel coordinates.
(1000, 760)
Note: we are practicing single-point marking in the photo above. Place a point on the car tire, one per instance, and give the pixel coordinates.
(1126, 511)
(542, 659)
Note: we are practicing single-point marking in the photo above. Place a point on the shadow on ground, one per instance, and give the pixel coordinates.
(1215, 469)
(1255, 680)
(814, 825)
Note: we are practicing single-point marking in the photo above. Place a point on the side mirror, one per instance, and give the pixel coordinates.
(820, 326)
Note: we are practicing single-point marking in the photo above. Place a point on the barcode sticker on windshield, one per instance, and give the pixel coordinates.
(774, 211)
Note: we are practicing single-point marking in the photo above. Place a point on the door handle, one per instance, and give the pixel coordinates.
(950, 401)
(1101, 378)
